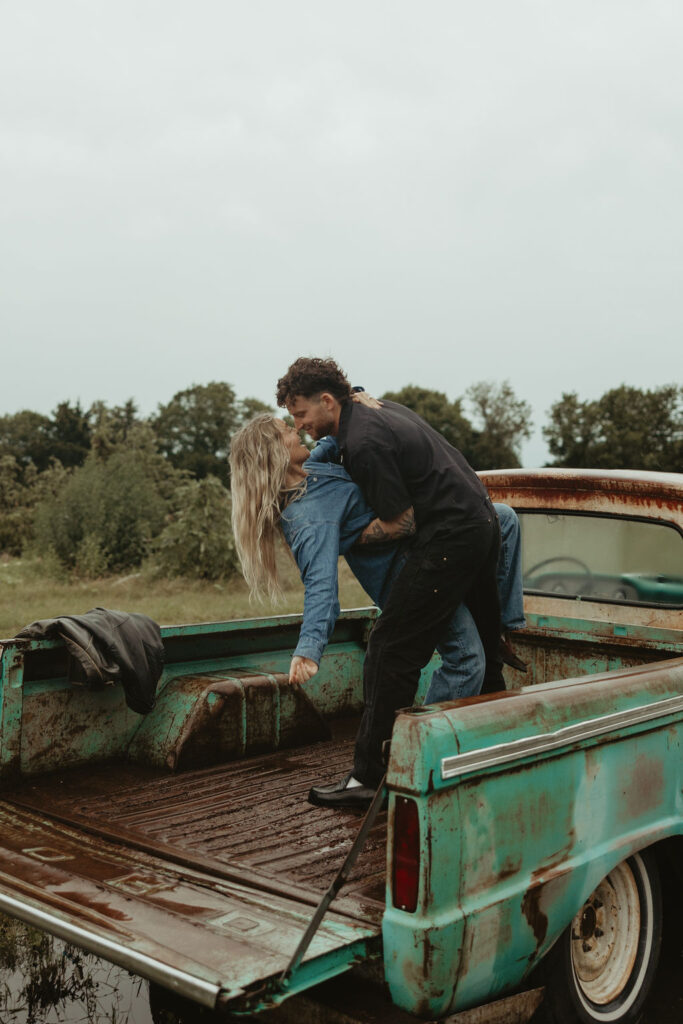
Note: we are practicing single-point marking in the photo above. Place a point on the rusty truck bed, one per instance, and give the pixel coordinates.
(142, 857)
(250, 814)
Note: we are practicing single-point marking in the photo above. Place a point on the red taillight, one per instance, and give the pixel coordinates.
(406, 873)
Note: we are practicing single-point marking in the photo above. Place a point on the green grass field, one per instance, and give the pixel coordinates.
(28, 592)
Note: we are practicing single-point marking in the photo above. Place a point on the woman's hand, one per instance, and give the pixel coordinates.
(301, 669)
(363, 398)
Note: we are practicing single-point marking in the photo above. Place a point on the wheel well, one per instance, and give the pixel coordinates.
(669, 854)
(669, 857)
(604, 967)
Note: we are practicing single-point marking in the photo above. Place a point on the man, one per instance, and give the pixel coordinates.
(420, 487)
(325, 520)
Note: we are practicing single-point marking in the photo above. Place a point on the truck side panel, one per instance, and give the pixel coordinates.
(546, 790)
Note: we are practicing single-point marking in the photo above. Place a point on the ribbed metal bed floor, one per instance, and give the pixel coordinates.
(249, 815)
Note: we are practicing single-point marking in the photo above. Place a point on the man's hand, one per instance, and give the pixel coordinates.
(363, 398)
(381, 530)
(301, 669)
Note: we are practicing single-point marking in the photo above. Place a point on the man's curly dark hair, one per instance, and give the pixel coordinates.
(309, 376)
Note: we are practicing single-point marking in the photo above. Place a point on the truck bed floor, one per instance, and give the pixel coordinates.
(250, 816)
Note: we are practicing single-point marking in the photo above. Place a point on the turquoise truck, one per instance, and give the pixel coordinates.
(530, 840)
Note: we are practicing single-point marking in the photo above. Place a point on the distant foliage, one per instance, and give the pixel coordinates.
(627, 428)
(433, 406)
(15, 516)
(37, 441)
(195, 427)
(193, 430)
(25, 436)
(115, 426)
(502, 421)
(70, 433)
(106, 515)
(198, 541)
(95, 524)
(20, 491)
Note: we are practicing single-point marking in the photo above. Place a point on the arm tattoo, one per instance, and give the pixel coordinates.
(379, 531)
(374, 533)
(406, 523)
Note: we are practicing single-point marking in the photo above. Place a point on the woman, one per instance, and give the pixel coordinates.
(279, 487)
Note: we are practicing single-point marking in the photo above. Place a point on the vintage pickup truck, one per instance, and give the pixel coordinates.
(530, 837)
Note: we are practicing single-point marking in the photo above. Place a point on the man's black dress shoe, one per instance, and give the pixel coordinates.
(336, 794)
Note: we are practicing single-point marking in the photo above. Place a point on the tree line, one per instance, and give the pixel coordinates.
(101, 490)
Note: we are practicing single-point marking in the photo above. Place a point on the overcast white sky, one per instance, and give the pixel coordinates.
(434, 193)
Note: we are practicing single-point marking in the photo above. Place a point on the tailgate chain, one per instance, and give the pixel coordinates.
(337, 883)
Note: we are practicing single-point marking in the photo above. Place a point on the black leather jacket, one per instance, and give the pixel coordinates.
(109, 646)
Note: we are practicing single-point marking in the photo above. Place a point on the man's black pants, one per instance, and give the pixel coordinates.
(451, 567)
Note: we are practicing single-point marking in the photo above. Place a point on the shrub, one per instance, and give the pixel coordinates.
(20, 491)
(105, 515)
(198, 541)
(15, 517)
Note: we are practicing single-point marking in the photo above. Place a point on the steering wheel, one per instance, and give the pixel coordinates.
(561, 558)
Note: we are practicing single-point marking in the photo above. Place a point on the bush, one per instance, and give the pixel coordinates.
(105, 515)
(198, 541)
(20, 491)
(15, 517)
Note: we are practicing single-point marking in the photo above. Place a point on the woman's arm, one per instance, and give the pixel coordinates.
(315, 547)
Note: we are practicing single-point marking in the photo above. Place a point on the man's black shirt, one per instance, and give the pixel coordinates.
(398, 460)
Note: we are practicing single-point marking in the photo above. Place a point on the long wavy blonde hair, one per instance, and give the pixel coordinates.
(259, 461)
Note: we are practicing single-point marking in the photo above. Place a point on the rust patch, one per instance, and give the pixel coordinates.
(663, 491)
(509, 868)
(418, 972)
(427, 956)
(483, 698)
(531, 908)
(645, 787)
(98, 906)
(429, 858)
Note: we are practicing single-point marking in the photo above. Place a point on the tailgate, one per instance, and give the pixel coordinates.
(207, 937)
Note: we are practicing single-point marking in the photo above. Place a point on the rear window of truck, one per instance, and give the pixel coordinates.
(602, 558)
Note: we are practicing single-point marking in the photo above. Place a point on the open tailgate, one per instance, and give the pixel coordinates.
(209, 938)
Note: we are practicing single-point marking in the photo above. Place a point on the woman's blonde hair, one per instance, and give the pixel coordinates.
(259, 461)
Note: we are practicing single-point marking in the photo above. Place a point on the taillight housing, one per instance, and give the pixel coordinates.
(406, 855)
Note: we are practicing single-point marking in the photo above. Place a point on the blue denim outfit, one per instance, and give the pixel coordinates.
(326, 521)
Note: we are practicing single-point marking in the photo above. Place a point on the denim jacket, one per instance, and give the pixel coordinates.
(320, 526)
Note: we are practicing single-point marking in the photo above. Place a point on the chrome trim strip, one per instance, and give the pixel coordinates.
(502, 753)
(200, 991)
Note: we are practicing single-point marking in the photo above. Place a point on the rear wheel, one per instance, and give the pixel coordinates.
(601, 968)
